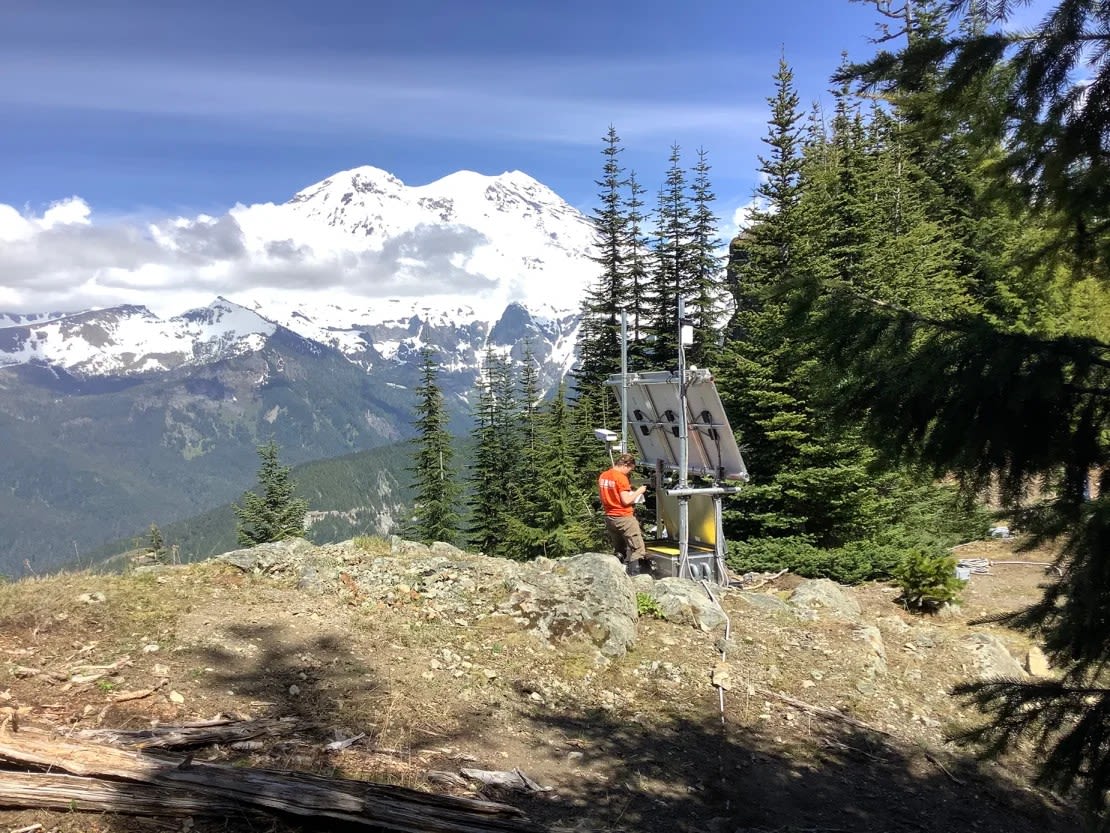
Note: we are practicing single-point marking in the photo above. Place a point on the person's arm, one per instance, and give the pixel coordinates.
(630, 496)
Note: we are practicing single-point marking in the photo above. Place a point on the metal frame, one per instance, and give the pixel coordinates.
(667, 405)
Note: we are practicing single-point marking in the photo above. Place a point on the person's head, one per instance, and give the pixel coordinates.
(625, 461)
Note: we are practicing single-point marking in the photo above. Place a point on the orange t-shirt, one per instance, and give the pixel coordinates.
(611, 483)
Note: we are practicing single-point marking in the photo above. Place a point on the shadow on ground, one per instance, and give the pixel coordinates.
(653, 772)
(684, 775)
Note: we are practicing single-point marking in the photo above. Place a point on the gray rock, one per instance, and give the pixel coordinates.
(686, 602)
(763, 601)
(992, 658)
(824, 596)
(585, 596)
(267, 558)
(875, 664)
(643, 583)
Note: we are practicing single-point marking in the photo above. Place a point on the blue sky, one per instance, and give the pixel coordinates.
(179, 107)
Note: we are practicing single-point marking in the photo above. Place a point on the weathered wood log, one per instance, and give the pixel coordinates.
(374, 805)
(199, 733)
(72, 792)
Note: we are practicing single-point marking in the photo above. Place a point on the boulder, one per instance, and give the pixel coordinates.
(875, 664)
(1036, 663)
(992, 658)
(268, 558)
(764, 602)
(585, 596)
(823, 595)
(685, 602)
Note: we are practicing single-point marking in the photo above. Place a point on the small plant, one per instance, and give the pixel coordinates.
(373, 544)
(928, 580)
(648, 606)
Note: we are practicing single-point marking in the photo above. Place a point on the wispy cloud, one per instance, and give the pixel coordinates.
(510, 98)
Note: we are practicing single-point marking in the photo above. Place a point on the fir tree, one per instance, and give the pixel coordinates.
(707, 293)
(599, 336)
(672, 273)
(275, 514)
(637, 276)
(435, 487)
(995, 390)
(494, 469)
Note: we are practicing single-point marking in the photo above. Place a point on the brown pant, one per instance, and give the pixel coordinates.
(624, 534)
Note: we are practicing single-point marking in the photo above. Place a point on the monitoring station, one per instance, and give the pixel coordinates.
(678, 428)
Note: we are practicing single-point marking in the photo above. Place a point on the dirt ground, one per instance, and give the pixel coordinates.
(644, 743)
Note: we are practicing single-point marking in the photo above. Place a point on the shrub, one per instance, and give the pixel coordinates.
(928, 580)
(648, 606)
(850, 564)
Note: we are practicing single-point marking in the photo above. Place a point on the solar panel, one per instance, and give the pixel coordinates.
(654, 404)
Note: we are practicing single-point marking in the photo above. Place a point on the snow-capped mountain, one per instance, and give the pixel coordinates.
(130, 340)
(304, 324)
(451, 265)
(466, 242)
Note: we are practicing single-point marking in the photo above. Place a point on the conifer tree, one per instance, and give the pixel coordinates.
(637, 276)
(707, 292)
(808, 483)
(559, 522)
(275, 514)
(494, 468)
(599, 336)
(672, 273)
(997, 390)
(436, 489)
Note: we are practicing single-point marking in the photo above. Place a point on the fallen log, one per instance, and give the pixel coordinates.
(72, 792)
(378, 806)
(198, 733)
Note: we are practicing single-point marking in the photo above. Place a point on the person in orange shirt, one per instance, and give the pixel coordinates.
(617, 499)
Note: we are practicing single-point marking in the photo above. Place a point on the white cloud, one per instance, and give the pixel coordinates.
(63, 260)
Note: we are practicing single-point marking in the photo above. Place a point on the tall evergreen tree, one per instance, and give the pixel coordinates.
(672, 273)
(560, 523)
(494, 470)
(275, 514)
(994, 391)
(435, 485)
(637, 276)
(708, 295)
(599, 336)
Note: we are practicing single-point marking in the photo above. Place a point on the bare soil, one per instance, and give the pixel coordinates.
(644, 743)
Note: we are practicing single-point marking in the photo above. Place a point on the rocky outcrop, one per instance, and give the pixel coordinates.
(587, 596)
(686, 602)
(992, 659)
(823, 596)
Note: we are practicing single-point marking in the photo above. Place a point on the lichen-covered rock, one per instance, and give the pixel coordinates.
(992, 658)
(686, 602)
(585, 596)
(825, 596)
(267, 558)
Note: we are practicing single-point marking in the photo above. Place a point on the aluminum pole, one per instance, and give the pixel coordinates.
(624, 380)
(683, 454)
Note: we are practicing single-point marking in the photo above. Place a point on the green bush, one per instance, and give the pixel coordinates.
(928, 580)
(850, 564)
(648, 606)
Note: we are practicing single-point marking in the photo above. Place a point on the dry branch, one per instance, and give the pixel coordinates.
(373, 805)
(821, 711)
